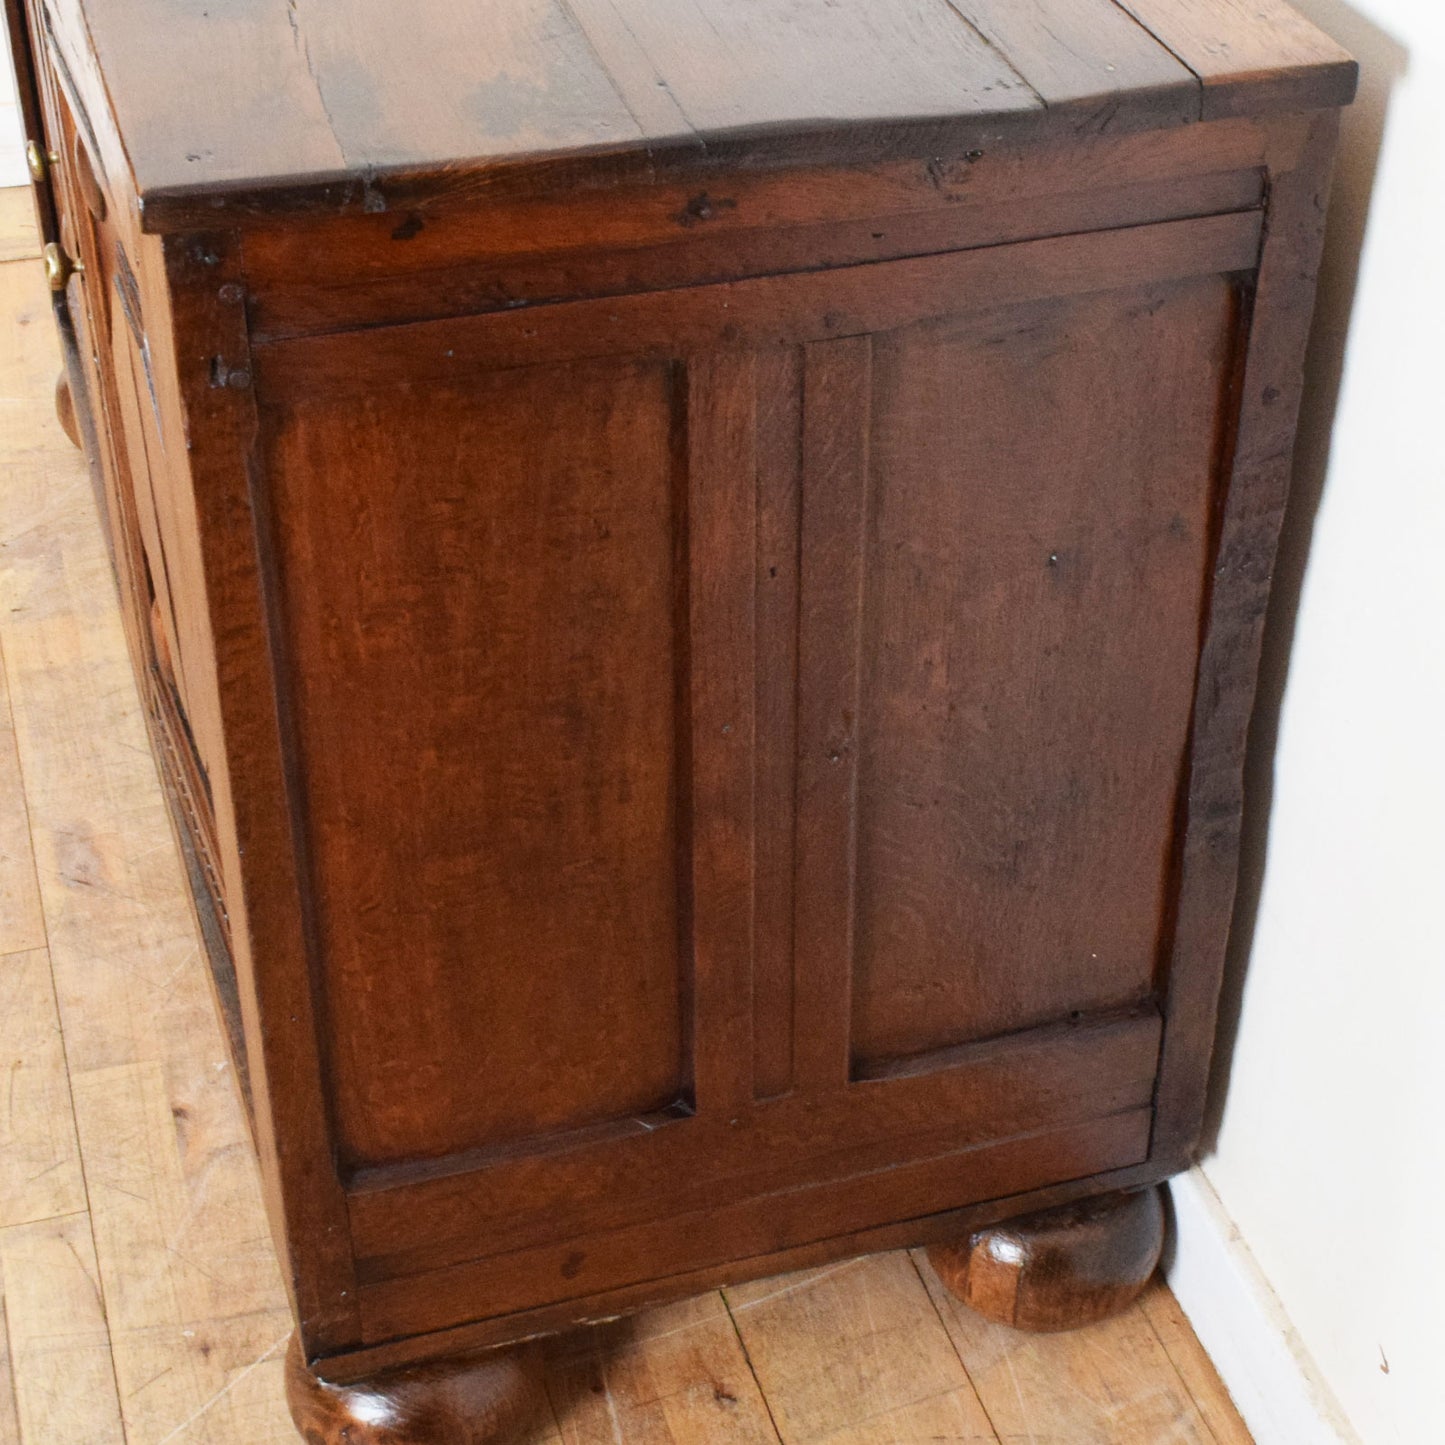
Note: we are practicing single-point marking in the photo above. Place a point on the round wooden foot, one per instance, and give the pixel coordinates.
(478, 1400)
(65, 409)
(1060, 1268)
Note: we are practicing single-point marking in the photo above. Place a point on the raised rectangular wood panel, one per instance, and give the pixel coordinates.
(1042, 485)
(484, 673)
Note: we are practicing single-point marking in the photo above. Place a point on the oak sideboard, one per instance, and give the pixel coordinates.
(696, 570)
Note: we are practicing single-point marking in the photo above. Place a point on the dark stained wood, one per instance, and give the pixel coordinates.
(503, 816)
(697, 581)
(1250, 54)
(1269, 383)
(587, 1273)
(719, 534)
(763, 311)
(405, 1221)
(837, 398)
(949, 1224)
(779, 1014)
(1033, 599)
(1073, 57)
(333, 274)
(478, 1400)
(750, 68)
(310, 105)
(1061, 1268)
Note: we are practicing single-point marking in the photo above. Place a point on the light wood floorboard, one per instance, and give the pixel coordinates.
(142, 1299)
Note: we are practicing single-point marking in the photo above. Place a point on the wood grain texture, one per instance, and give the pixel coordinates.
(474, 686)
(40, 1172)
(1194, 1367)
(314, 105)
(603, 920)
(1059, 1269)
(675, 1376)
(59, 1348)
(148, 1217)
(735, 68)
(1077, 1387)
(1270, 386)
(1091, 62)
(403, 1220)
(987, 832)
(838, 392)
(904, 1381)
(269, 920)
(18, 238)
(9, 1415)
(555, 1285)
(760, 311)
(1250, 54)
(335, 273)
(22, 926)
(721, 542)
(779, 1015)
(538, 876)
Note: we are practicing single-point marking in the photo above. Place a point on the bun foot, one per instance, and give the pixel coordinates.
(65, 409)
(1061, 1268)
(485, 1399)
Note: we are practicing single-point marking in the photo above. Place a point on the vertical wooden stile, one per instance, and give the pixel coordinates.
(836, 422)
(721, 439)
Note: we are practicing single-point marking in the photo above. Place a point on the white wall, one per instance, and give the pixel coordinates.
(1330, 1156)
(12, 141)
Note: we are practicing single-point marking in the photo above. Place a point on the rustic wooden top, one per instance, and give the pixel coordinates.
(233, 106)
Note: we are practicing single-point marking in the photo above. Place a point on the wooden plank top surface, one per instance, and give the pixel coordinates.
(243, 106)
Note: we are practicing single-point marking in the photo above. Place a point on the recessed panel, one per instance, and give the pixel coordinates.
(478, 602)
(1041, 488)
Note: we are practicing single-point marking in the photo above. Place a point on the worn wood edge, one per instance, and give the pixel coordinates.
(459, 183)
(302, 1189)
(793, 1215)
(680, 161)
(355, 1364)
(1325, 86)
(1330, 80)
(760, 309)
(444, 1214)
(161, 209)
(281, 311)
(1270, 383)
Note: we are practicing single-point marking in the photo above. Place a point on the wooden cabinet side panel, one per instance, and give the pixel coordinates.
(1044, 480)
(483, 632)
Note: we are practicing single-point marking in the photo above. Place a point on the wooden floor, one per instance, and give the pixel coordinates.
(142, 1300)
